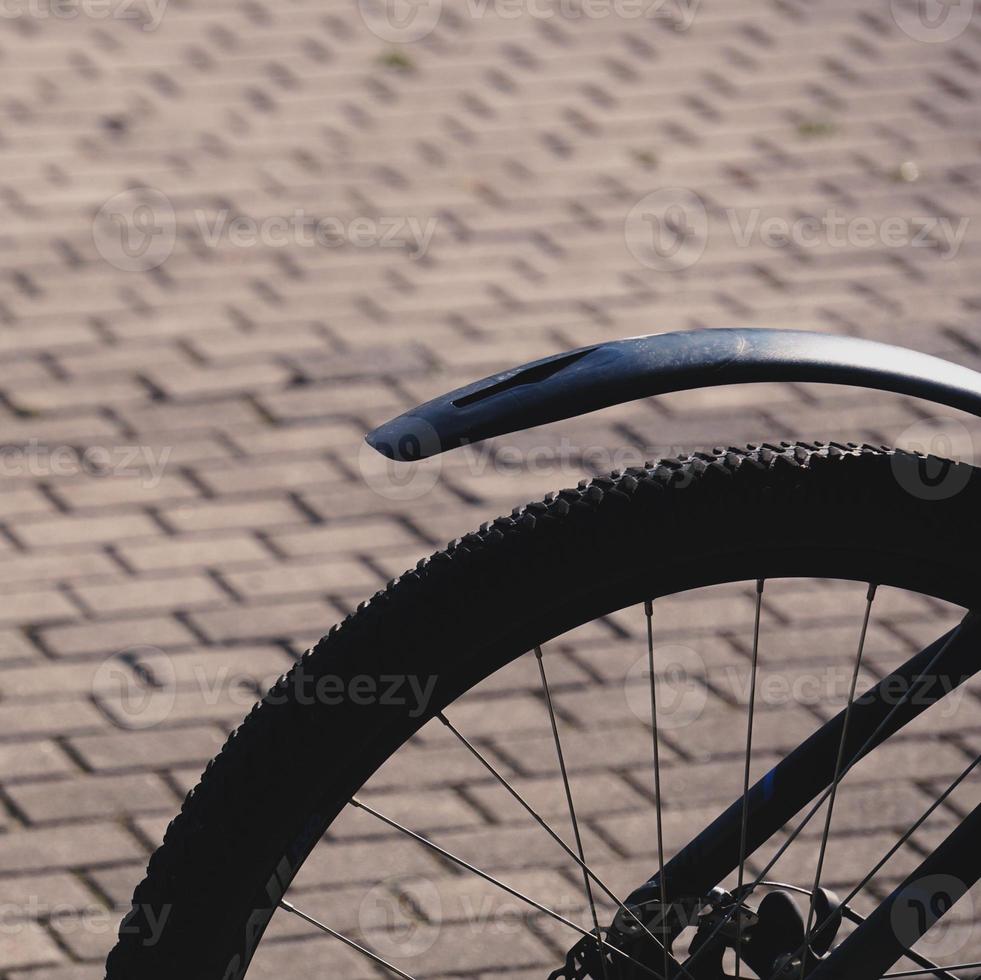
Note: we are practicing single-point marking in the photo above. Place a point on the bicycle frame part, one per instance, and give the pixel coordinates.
(803, 774)
(590, 378)
(916, 905)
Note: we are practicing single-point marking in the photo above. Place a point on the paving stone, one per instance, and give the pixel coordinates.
(36, 606)
(147, 749)
(69, 529)
(69, 717)
(90, 797)
(14, 647)
(308, 956)
(111, 636)
(30, 759)
(275, 474)
(72, 971)
(240, 377)
(422, 811)
(352, 862)
(36, 897)
(365, 537)
(27, 944)
(47, 565)
(186, 592)
(419, 762)
(78, 846)
(118, 489)
(248, 515)
(194, 551)
(274, 620)
(304, 579)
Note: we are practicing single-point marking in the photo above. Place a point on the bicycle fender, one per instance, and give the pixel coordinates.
(590, 378)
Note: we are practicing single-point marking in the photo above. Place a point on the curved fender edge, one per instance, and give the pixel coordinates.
(590, 378)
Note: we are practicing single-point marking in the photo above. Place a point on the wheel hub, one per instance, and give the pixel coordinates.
(769, 938)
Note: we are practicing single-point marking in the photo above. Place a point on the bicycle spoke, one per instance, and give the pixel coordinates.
(598, 939)
(749, 756)
(839, 761)
(922, 973)
(649, 614)
(542, 823)
(568, 796)
(896, 846)
(795, 833)
(344, 939)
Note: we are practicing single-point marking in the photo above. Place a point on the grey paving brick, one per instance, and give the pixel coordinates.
(247, 515)
(35, 897)
(27, 944)
(69, 529)
(79, 846)
(71, 971)
(365, 537)
(256, 622)
(221, 550)
(147, 749)
(151, 595)
(108, 637)
(30, 759)
(91, 797)
(245, 376)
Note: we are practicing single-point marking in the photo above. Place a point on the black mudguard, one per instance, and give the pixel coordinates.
(584, 380)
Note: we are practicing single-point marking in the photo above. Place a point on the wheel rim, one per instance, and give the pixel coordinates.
(592, 882)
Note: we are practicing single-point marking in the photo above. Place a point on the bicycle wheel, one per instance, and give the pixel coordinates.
(752, 515)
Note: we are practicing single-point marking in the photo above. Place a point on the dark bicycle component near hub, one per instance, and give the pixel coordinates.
(812, 510)
(768, 937)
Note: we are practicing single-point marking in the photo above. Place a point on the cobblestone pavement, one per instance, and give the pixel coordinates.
(236, 236)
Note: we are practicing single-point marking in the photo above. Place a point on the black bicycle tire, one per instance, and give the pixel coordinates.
(809, 509)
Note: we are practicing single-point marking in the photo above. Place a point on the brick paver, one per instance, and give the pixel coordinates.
(185, 502)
